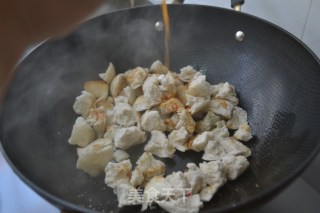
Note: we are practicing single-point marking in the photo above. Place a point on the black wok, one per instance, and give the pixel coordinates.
(276, 76)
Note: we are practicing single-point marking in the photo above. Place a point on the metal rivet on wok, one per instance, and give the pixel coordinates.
(239, 36)
(159, 26)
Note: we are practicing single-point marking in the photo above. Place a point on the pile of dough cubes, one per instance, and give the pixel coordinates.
(180, 112)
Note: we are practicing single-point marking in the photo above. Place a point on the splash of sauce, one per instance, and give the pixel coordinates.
(165, 15)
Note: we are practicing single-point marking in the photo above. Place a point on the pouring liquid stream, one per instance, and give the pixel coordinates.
(165, 15)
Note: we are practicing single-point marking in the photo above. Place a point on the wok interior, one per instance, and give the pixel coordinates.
(275, 77)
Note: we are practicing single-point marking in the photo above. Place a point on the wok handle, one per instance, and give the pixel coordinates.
(236, 4)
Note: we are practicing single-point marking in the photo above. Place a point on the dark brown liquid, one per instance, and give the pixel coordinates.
(165, 15)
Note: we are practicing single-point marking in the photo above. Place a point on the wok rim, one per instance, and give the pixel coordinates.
(66, 205)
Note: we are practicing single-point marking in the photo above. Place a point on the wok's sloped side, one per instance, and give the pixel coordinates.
(275, 76)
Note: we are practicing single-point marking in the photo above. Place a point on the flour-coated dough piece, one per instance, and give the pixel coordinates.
(127, 137)
(159, 145)
(94, 157)
(84, 103)
(82, 133)
(117, 172)
(109, 74)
